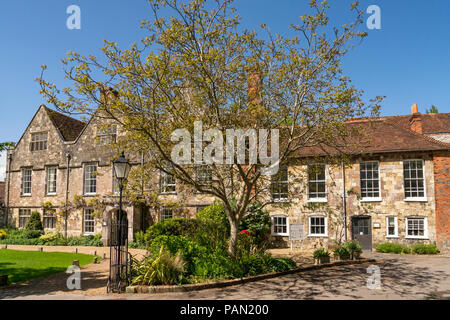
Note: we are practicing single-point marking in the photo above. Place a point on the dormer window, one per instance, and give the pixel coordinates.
(38, 141)
(106, 135)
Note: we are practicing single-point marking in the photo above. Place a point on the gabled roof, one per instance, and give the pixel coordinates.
(69, 128)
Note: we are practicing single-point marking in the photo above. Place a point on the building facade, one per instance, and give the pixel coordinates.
(394, 188)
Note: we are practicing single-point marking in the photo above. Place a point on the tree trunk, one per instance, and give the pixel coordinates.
(234, 232)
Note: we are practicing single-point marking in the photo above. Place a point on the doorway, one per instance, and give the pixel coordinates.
(362, 231)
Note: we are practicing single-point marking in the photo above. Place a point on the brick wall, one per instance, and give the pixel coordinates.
(442, 191)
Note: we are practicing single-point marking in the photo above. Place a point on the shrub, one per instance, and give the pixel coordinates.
(2, 234)
(162, 269)
(257, 222)
(342, 252)
(206, 232)
(50, 237)
(32, 234)
(321, 253)
(34, 222)
(353, 246)
(176, 227)
(88, 241)
(176, 244)
(425, 249)
(216, 213)
(389, 247)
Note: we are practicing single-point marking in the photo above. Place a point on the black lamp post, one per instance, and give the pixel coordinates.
(121, 170)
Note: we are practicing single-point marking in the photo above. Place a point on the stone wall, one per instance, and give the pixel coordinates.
(392, 202)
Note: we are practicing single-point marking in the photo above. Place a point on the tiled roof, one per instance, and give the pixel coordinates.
(432, 123)
(69, 128)
(381, 135)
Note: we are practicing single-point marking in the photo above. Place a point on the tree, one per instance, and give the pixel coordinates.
(5, 145)
(433, 109)
(34, 222)
(200, 65)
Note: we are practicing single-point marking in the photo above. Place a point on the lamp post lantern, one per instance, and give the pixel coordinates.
(118, 241)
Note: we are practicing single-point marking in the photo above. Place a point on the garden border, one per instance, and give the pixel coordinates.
(228, 283)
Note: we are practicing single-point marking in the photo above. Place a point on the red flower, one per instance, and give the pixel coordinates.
(245, 232)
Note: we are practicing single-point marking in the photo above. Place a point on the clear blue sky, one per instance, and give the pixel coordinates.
(407, 60)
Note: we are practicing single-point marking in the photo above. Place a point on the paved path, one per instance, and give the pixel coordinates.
(94, 277)
(402, 277)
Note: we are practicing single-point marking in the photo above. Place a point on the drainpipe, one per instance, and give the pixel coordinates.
(9, 184)
(344, 202)
(68, 157)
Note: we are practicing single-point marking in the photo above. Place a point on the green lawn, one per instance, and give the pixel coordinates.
(25, 265)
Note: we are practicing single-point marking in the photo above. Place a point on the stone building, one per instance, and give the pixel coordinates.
(396, 185)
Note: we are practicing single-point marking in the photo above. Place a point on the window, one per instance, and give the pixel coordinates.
(106, 136)
(280, 226)
(49, 220)
(165, 213)
(318, 226)
(167, 183)
(51, 180)
(90, 179)
(204, 175)
(370, 180)
(88, 221)
(26, 182)
(414, 179)
(316, 183)
(24, 215)
(38, 141)
(416, 227)
(280, 184)
(391, 227)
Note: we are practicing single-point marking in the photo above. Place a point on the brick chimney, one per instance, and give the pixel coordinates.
(415, 122)
(254, 87)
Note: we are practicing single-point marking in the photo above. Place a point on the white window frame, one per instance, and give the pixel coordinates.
(48, 181)
(165, 216)
(284, 234)
(317, 234)
(163, 183)
(272, 182)
(370, 199)
(425, 226)
(413, 199)
(89, 180)
(88, 211)
(30, 181)
(395, 235)
(323, 199)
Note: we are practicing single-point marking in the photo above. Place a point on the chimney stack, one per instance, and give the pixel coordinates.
(415, 122)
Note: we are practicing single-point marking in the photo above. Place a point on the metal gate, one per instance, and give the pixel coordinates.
(362, 231)
(120, 259)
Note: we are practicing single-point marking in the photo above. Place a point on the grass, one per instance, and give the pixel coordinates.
(24, 265)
